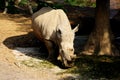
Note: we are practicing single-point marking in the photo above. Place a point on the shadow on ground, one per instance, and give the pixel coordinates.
(29, 41)
(96, 67)
(88, 67)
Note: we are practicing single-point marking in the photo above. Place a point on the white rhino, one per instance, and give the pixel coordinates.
(53, 28)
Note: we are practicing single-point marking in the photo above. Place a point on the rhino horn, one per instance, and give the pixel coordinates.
(76, 28)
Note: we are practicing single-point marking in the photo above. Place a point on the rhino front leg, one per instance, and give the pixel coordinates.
(51, 50)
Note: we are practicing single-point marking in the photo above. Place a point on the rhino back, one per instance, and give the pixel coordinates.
(63, 20)
(46, 20)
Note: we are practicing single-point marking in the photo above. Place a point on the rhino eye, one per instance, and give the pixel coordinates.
(71, 49)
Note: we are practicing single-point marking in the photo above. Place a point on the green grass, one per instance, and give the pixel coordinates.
(36, 63)
(96, 67)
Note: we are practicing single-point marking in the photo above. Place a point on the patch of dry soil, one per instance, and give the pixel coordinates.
(15, 32)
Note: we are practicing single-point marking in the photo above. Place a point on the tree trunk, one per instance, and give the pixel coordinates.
(30, 7)
(6, 7)
(100, 40)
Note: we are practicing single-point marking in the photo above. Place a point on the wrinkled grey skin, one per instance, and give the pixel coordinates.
(53, 28)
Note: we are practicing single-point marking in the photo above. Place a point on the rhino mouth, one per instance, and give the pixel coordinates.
(67, 60)
(67, 63)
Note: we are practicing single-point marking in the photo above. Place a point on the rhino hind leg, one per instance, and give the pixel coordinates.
(51, 50)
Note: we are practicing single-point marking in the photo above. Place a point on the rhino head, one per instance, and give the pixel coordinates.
(66, 46)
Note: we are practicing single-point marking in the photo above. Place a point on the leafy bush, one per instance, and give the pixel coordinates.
(23, 2)
(81, 3)
(45, 4)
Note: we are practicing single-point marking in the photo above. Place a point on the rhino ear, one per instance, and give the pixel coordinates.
(59, 32)
(76, 28)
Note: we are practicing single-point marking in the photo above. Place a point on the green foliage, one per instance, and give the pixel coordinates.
(44, 4)
(58, 6)
(12, 9)
(23, 2)
(81, 3)
(71, 2)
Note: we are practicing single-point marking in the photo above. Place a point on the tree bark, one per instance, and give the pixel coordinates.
(30, 7)
(100, 40)
(6, 7)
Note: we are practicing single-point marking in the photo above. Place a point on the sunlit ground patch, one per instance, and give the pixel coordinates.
(31, 57)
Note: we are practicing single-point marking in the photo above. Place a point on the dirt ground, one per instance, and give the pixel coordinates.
(14, 30)
(20, 52)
